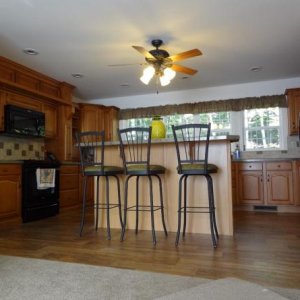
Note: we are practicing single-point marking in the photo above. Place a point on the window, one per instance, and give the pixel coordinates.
(259, 129)
(220, 122)
(262, 128)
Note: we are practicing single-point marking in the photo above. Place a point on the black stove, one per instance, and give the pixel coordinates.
(39, 203)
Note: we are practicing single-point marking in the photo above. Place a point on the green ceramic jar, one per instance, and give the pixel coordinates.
(158, 128)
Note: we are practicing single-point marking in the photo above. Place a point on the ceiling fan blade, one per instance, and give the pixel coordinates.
(143, 51)
(125, 65)
(183, 69)
(185, 55)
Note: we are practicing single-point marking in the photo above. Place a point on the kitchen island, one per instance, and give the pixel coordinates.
(163, 152)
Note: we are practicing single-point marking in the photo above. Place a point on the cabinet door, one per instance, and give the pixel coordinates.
(50, 112)
(234, 183)
(10, 196)
(2, 103)
(293, 97)
(296, 171)
(88, 118)
(280, 187)
(69, 186)
(111, 123)
(250, 187)
(68, 140)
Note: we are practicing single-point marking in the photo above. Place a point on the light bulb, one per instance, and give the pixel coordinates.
(147, 74)
(164, 80)
(169, 73)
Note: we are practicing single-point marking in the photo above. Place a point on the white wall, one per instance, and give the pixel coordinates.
(254, 89)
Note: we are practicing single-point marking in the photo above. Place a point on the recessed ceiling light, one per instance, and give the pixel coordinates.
(77, 75)
(30, 51)
(256, 69)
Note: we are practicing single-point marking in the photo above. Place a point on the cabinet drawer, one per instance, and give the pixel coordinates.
(280, 165)
(251, 166)
(10, 169)
(69, 181)
(74, 169)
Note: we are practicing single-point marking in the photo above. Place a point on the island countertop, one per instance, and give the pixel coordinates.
(230, 138)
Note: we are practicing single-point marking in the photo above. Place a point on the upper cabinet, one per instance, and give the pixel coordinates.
(22, 80)
(50, 112)
(98, 117)
(293, 98)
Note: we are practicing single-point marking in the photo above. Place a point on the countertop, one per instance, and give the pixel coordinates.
(230, 138)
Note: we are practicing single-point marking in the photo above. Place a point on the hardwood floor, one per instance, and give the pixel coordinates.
(265, 248)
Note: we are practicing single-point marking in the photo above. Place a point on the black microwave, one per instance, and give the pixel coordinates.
(24, 122)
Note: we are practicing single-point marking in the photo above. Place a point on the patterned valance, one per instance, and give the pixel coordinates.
(204, 107)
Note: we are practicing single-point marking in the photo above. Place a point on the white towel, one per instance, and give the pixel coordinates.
(45, 178)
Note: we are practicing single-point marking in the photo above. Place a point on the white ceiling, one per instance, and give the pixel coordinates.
(76, 36)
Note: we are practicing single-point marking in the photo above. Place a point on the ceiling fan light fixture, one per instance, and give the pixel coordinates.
(164, 80)
(147, 74)
(169, 73)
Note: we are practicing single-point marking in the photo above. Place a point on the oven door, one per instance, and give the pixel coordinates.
(38, 203)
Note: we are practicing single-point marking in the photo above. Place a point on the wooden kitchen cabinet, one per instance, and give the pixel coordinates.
(293, 99)
(61, 145)
(265, 183)
(250, 183)
(296, 169)
(91, 117)
(50, 112)
(2, 103)
(234, 169)
(10, 192)
(23, 101)
(279, 177)
(98, 117)
(69, 186)
(111, 123)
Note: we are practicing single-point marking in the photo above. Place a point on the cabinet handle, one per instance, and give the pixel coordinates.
(278, 166)
(268, 178)
(250, 166)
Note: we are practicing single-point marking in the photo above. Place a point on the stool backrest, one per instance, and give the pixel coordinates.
(192, 142)
(91, 149)
(135, 145)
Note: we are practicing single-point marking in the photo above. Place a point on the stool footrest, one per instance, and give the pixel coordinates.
(197, 209)
(104, 206)
(143, 208)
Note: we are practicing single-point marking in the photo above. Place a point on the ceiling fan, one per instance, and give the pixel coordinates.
(160, 63)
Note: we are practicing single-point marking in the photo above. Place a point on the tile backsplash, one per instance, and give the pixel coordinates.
(12, 148)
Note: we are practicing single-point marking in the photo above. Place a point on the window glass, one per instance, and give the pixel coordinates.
(220, 122)
(262, 128)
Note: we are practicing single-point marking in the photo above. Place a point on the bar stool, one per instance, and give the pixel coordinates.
(135, 145)
(192, 143)
(91, 149)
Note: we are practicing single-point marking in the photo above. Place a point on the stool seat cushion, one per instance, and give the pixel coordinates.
(98, 171)
(198, 169)
(141, 169)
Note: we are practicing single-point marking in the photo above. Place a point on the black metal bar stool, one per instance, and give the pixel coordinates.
(135, 145)
(91, 149)
(192, 143)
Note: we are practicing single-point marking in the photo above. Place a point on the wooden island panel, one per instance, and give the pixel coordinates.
(165, 154)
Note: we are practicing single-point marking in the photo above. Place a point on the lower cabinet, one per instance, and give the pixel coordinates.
(10, 191)
(71, 186)
(266, 183)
